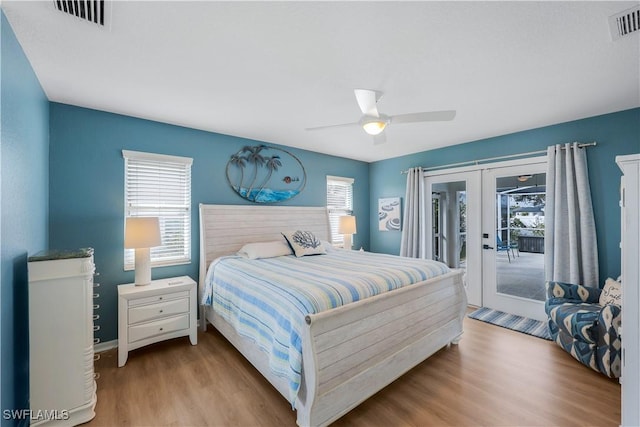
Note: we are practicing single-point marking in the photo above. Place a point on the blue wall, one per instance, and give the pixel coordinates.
(86, 186)
(23, 208)
(616, 134)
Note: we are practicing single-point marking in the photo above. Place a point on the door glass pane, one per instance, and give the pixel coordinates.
(449, 225)
(435, 231)
(462, 228)
(520, 204)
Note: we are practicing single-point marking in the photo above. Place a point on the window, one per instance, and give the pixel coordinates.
(339, 203)
(160, 185)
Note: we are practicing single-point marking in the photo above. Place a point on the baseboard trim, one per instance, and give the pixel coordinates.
(104, 346)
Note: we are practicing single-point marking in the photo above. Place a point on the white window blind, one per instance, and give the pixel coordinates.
(339, 203)
(160, 185)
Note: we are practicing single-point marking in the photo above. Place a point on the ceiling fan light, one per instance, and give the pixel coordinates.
(374, 127)
(524, 178)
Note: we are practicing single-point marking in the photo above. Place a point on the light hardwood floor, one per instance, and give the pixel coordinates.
(495, 377)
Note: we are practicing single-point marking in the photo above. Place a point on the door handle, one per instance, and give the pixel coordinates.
(487, 247)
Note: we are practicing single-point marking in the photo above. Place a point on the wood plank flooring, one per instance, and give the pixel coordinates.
(495, 377)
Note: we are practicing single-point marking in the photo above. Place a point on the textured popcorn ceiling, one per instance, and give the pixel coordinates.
(267, 71)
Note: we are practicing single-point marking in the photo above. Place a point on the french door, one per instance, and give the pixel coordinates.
(454, 223)
(489, 221)
(513, 200)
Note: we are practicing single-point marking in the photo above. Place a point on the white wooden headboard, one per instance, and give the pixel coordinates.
(224, 229)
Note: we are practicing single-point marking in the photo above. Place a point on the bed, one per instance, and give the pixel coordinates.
(350, 352)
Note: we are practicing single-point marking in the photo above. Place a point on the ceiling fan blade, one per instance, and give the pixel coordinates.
(430, 116)
(367, 100)
(333, 126)
(380, 138)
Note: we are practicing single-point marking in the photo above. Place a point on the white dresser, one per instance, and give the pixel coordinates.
(61, 378)
(630, 206)
(162, 310)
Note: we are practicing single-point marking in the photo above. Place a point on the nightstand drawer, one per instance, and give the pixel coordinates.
(154, 311)
(158, 298)
(158, 327)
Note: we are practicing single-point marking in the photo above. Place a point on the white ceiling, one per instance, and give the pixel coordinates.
(267, 70)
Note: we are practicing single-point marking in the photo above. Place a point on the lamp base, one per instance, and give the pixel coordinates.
(143, 266)
(347, 241)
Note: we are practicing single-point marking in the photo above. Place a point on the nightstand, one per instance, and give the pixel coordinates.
(162, 310)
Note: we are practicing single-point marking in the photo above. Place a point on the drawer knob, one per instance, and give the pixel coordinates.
(161, 311)
(160, 298)
(161, 329)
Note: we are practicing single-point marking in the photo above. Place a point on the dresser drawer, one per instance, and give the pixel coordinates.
(158, 298)
(158, 327)
(143, 313)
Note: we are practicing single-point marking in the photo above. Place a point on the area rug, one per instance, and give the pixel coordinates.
(511, 321)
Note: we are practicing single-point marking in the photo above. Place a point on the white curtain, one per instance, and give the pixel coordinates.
(571, 250)
(413, 243)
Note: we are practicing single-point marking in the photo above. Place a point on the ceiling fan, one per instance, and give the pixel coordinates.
(374, 123)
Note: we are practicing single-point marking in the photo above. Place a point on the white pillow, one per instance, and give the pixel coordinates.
(611, 293)
(304, 243)
(328, 246)
(265, 250)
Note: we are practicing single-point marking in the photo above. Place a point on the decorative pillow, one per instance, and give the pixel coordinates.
(611, 293)
(265, 250)
(304, 243)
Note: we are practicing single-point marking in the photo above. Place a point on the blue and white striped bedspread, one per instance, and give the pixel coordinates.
(267, 300)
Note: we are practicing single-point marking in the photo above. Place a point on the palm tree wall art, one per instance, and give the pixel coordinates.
(265, 174)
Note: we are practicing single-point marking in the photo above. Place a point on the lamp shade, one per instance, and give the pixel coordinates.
(142, 232)
(347, 225)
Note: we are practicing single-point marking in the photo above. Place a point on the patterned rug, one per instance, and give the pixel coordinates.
(511, 321)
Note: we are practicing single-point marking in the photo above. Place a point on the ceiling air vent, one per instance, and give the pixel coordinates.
(94, 11)
(625, 23)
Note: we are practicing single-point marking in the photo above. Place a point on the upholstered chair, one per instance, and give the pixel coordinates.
(590, 332)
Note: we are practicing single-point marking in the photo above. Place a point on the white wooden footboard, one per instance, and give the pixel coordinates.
(352, 352)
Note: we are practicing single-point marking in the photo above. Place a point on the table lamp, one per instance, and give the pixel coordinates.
(141, 234)
(347, 226)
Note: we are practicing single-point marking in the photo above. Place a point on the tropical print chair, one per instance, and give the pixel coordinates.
(585, 329)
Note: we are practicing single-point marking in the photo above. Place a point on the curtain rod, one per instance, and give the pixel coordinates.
(489, 159)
